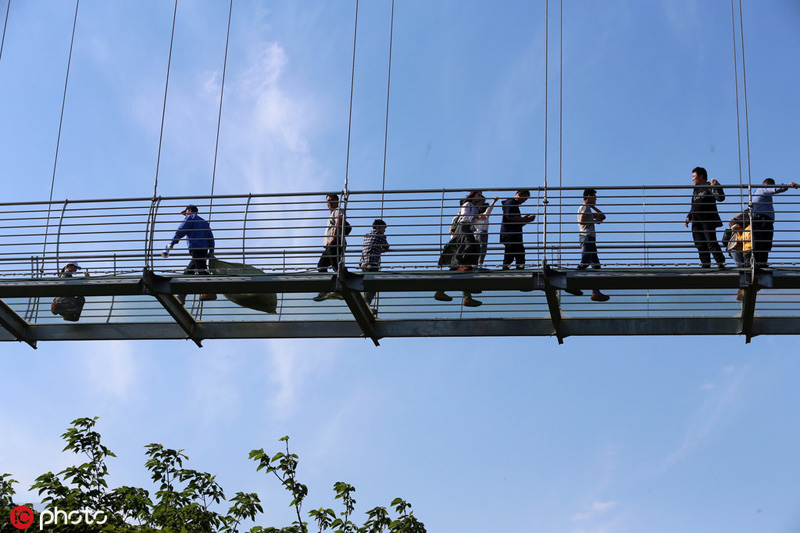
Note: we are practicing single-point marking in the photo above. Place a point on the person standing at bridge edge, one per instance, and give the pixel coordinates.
(763, 220)
(375, 244)
(705, 218)
(335, 231)
(200, 241)
(511, 230)
(588, 216)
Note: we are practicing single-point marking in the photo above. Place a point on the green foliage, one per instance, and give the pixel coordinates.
(188, 500)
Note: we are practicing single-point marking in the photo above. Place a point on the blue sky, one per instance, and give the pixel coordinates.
(656, 434)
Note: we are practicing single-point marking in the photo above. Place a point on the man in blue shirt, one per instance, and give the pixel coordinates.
(199, 240)
(763, 224)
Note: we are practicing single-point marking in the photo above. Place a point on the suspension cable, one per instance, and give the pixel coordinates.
(350, 114)
(219, 117)
(386, 122)
(744, 87)
(5, 24)
(58, 139)
(738, 113)
(546, 69)
(164, 107)
(560, 119)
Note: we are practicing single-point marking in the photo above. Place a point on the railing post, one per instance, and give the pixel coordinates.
(150, 232)
(58, 235)
(244, 227)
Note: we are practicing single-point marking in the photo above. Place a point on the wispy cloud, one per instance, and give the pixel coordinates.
(721, 397)
(290, 367)
(595, 509)
(269, 144)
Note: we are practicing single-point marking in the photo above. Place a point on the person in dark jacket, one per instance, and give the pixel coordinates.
(704, 217)
(199, 240)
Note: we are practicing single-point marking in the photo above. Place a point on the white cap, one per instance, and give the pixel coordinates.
(75, 263)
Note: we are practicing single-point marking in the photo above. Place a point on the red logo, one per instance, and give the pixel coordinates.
(21, 517)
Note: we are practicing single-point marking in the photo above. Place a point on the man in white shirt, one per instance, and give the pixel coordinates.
(335, 230)
(764, 219)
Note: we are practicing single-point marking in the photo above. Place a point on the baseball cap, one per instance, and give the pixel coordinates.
(190, 208)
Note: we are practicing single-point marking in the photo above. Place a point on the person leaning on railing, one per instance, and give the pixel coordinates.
(763, 225)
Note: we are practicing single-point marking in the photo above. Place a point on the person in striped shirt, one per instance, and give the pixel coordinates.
(375, 244)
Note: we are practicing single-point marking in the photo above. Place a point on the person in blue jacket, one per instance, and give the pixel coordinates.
(199, 240)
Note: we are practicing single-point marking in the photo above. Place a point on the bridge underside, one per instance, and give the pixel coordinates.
(516, 303)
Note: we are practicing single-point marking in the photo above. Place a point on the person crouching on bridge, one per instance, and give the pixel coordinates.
(200, 241)
(462, 252)
(588, 216)
(375, 244)
(69, 307)
(705, 219)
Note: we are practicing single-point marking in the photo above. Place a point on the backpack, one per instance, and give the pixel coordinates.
(347, 228)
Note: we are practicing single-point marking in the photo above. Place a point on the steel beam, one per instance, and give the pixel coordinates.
(553, 303)
(15, 325)
(351, 286)
(403, 281)
(159, 287)
(479, 327)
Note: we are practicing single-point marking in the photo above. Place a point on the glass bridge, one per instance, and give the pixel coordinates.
(650, 269)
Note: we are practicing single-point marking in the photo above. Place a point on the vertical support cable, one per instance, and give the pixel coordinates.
(345, 192)
(546, 81)
(386, 122)
(560, 121)
(164, 106)
(744, 87)
(58, 139)
(219, 116)
(736, 86)
(5, 25)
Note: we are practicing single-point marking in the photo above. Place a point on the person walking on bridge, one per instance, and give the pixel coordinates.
(200, 241)
(336, 229)
(705, 218)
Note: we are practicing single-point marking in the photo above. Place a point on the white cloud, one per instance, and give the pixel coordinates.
(290, 367)
(595, 509)
(111, 369)
(266, 125)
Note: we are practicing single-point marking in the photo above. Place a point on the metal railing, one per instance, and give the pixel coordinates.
(283, 233)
